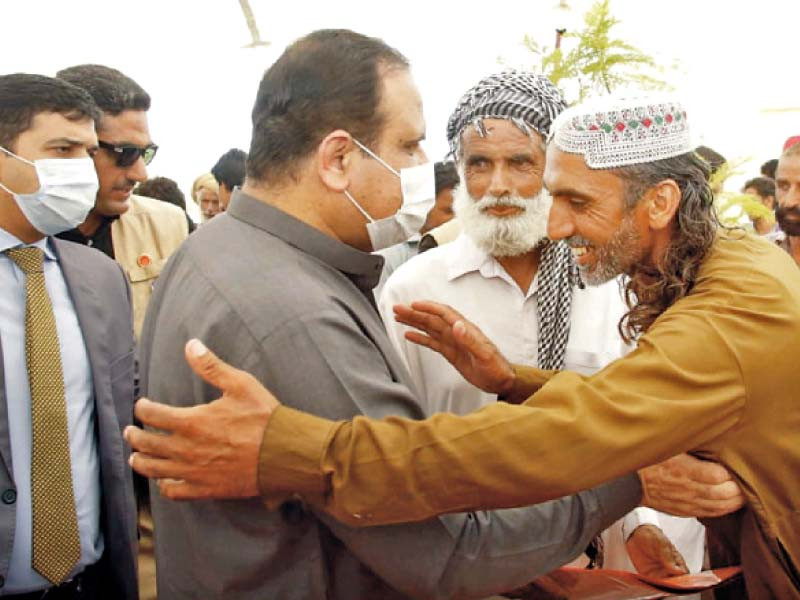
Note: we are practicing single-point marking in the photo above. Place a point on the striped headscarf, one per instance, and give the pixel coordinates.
(531, 102)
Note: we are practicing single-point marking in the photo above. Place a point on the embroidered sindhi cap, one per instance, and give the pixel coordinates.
(529, 101)
(614, 132)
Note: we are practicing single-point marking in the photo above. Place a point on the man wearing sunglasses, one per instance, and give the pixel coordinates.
(139, 233)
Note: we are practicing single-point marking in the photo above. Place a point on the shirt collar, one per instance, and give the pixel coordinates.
(9, 240)
(362, 268)
(466, 257)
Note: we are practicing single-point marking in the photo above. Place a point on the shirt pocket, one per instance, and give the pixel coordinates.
(584, 362)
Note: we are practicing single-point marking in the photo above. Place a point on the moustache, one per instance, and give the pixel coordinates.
(787, 211)
(488, 202)
(577, 240)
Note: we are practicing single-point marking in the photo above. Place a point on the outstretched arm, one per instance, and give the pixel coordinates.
(201, 459)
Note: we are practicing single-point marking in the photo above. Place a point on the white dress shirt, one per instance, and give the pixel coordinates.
(476, 285)
(79, 392)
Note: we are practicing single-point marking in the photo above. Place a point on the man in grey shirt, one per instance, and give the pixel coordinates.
(281, 285)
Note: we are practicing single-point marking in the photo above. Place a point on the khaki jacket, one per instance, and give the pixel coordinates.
(144, 237)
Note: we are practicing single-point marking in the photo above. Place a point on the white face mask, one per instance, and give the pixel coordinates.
(66, 194)
(418, 185)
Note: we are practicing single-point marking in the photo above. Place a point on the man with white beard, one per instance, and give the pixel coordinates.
(522, 290)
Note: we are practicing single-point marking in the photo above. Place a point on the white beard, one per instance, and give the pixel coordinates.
(503, 236)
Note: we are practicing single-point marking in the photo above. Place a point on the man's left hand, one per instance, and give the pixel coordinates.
(210, 450)
(653, 554)
(689, 487)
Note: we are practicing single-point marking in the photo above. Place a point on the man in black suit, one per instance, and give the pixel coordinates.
(67, 514)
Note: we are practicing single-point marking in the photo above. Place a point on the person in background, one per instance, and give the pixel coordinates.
(205, 193)
(763, 188)
(715, 161)
(139, 233)
(445, 180)
(446, 177)
(166, 190)
(229, 171)
(787, 194)
(768, 168)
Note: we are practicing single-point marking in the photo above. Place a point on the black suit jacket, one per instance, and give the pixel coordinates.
(103, 305)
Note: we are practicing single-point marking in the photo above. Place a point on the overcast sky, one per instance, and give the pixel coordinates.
(738, 65)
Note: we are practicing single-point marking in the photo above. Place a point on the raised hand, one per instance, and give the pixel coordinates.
(464, 345)
(210, 450)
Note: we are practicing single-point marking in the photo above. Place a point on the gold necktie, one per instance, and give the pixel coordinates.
(56, 544)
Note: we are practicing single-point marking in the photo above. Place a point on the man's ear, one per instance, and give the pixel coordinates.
(334, 159)
(3, 158)
(663, 201)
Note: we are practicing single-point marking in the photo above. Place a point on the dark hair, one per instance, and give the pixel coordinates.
(23, 96)
(230, 168)
(164, 189)
(714, 159)
(649, 292)
(328, 80)
(768, 168)
(763, 185)
(446, 175)
(112, 91)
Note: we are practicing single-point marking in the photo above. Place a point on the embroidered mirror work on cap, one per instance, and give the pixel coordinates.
(614, 132)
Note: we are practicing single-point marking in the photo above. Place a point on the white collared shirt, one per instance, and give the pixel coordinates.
(474, 283)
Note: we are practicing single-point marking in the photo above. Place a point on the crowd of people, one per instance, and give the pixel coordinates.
(543, 350)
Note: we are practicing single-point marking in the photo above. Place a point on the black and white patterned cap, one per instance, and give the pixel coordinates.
(528, 100)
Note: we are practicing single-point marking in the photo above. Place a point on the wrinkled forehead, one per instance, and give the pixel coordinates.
(563, 168)
(498, 136)
(567, 174)
(788, 167)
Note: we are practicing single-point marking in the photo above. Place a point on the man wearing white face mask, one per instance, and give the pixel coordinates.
(503, 274)
(66, 360)
(440, 187)
(281, 285)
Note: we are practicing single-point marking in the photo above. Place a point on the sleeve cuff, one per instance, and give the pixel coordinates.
(290, 457)
(637, 517)
(527, 381)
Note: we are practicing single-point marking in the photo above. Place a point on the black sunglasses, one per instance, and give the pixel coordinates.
(127, 154)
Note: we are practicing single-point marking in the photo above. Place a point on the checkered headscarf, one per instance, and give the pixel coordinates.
(531, 102)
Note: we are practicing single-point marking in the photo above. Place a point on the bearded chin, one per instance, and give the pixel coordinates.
(789, 226)
(503, 236)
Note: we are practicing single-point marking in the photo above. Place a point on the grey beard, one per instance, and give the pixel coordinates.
(503, 236)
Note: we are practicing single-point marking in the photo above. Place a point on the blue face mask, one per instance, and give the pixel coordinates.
(67, 191)
(419, 195)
